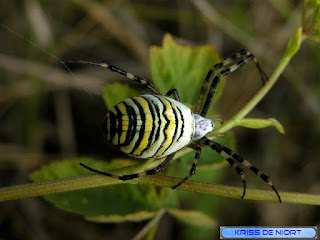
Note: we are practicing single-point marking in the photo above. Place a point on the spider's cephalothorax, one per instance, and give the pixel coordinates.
(155, 126)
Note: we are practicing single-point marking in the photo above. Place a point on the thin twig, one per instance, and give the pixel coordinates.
(150, 224)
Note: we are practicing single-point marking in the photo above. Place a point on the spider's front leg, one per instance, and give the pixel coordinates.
(194, 165)
(228, 154)
(242, 57)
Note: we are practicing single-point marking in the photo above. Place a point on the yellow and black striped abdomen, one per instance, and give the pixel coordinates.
(149, 126)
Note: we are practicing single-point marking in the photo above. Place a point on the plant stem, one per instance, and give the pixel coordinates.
(95, 180)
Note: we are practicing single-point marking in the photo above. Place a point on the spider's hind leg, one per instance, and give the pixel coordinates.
(152, 171)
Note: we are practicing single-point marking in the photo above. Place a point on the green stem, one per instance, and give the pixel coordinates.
(95, 180)
(292, 48)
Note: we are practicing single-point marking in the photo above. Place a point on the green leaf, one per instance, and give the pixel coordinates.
(257, 123)
(311, 19)
(116, 92)
(117, 202)
(194, 218)
(183, 67)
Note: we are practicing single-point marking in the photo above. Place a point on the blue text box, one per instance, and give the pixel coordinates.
(268, 232)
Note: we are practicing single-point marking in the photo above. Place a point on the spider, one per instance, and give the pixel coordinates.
(156, 126)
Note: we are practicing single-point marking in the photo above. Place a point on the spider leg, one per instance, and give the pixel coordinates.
(122, 72)
(175, 94)
(216, 80)
(227, 153)
(239, 170)
(194, 165)
(210, 74)
(238, 56)
(153, 171)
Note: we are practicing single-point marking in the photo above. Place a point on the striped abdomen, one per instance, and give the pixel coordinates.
(149, 126)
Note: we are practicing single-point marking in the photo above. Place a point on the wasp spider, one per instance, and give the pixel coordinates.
(155, 126)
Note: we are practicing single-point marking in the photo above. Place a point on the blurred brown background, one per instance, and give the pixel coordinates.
(45, 113)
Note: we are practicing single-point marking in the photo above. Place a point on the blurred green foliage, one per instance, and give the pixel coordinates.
(311, 19)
